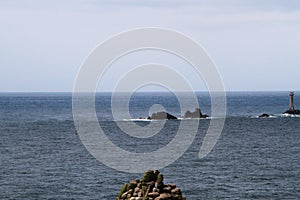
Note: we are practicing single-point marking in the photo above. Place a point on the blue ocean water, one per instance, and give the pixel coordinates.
(42, 156)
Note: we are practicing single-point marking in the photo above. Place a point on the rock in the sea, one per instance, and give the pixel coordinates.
(151, 187)
(292, 112)
(264, 115)
(196, 114)
(162, 115)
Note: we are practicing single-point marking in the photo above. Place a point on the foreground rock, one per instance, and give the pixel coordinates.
(196, 114)
(151, 187)
(162, 115)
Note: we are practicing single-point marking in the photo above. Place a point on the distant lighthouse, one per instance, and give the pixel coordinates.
(291, 109)
(292, 101)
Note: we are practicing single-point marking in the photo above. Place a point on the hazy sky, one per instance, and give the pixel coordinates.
(254, 43)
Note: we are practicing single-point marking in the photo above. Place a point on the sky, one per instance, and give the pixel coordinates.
(254, 43)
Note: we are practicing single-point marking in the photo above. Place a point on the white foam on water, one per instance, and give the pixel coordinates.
(276, 116)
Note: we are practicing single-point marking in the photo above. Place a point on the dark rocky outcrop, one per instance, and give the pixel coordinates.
(196, 114)
(162, 115)
(292, 112)
(265, 115)
(151, 187)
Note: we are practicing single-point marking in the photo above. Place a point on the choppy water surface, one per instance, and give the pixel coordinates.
(42, 156)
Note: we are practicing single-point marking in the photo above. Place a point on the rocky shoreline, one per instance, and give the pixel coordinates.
(151, 187)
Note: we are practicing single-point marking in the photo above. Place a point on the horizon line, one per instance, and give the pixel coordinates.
(151, 91)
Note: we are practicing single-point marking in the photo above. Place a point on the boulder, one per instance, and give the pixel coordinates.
(160, 178)
(149, 176)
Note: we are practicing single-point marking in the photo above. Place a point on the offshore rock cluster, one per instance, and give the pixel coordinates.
(188, 114)
(151, 187)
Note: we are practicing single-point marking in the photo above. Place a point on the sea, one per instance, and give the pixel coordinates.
(42, 156)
